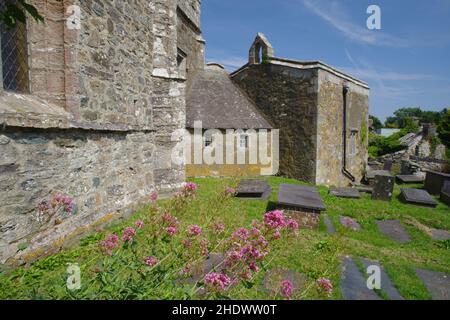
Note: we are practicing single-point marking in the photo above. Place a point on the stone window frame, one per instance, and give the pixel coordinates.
(182, 63)
(244, 141)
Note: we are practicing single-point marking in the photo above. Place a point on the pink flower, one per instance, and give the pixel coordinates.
(153, 196)
(171, 231)
(217, 281)
(151, 261)
(128, 235)
(325, 285)
(195, 230)
(274, 219)
(277, 234)
(292, 224)
(287, 289)
(230, 191)
(186, 243)
(241, 233)
(191, 186)
(186, 269)
(110, 243)
(218, 228)
(254, 267)
(139, 224)
(170, 220)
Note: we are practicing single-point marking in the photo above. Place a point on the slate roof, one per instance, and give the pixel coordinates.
(214, 99)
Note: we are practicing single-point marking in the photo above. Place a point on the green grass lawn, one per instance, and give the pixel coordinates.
(313, 252)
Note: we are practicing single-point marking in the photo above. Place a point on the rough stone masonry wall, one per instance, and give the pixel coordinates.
(330, 130)
(120, 97)
(288, 97)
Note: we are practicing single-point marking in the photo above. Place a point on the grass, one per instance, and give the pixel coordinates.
(313, 253)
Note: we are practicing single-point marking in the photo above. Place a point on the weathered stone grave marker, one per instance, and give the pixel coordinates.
(253, 189)
(417, 197)
(440, 235)
(434, 181)
(383, 188)
(394, 230)
(330, 227)
(405, 179)
(445, 193)
(386, 284)
(351, 193)
(354, 284)
(370, 176)
(350, 223)
(387, 165)
(437, 283)
(273, 279)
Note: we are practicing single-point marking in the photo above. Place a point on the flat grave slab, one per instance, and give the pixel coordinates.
(383, 187)
(273, 278)
(410, 178)
(394, 230)
(372, 174)
(350, 223)
(437, 283)
(253, 189)
(213, 263)
(417, 197)
(309, 220)
(300, 198)
(386, 283)
(330, 227)
(365, 189)
(353, 284)
(351, 193)
(440, 235)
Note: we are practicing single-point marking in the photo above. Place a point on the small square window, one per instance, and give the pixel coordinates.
(243, 141)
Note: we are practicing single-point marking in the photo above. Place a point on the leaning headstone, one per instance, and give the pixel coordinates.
(350, 223)
(394, 230)
(351, 193)
(434, 181)
(383, 188)
(330, 227)
(417, 197)
(353, 284)
(405, 179)
(387, 165)
(437, 283)
(274, 278)
(253, 189)
(386, 284)
(445, 193)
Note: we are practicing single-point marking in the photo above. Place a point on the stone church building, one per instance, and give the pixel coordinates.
(89, 102)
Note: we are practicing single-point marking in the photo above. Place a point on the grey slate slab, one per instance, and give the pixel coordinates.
(350, 223)
(301, 197)
(330, 227)
(394, 230)
(386, 283)
(351, 193)
(253, 188)
(409, 179)
(440, 235)
(437, 283)
(353, 284)
(417, 197)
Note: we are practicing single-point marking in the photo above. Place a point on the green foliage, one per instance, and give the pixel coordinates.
(403, 117)
(16, 11)
(376, 123)
(444, 129)
(379, 145)
(364, 134)
(265, 59)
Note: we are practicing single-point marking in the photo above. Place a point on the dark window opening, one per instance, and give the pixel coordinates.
(14, 56)
(181, 63)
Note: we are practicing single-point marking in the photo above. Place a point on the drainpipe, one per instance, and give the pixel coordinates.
(344, 136)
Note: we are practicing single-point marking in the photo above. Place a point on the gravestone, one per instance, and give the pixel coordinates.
(214, 263)
(370, 176)
(365, 189)
(445, 193)
(354, 284)
(351, 193)
(330, 227)
(383, 188)
(434, 181)
(417, 197)
(387, 165)
(350, 223)
(386, 284)
(405, 179)
(253, 189)
(394, 230)
(440, 235)
(437, 283)
(273, 279)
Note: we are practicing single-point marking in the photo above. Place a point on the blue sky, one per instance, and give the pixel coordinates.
(406, 63)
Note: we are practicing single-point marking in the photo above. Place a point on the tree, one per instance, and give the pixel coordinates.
(16, 10)
(444, 129)
(376, 123)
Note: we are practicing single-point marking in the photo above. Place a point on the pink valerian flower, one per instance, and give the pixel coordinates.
(274, 219)
(128, 235)
(195, 230)
(110, 243)
(169, 220)
(241, 233)
(254, 267)
(204, 247)
(277, 234)
(139, 224)
(171, 231)
(232, 258)
(325, 285)
(292, 224)
(151, 261)
(186, 269)
(217, 281)
(218, 228)
(189, 190)
(287, 289)
(64, 201)
(153, 196)
(186, 243)
(230, 191)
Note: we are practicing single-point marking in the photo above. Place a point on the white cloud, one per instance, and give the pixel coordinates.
(334, 14)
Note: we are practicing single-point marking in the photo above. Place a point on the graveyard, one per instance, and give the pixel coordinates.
(408, 242)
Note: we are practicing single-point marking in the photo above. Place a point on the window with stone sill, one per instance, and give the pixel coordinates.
(14, 75)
